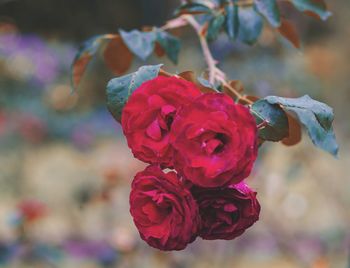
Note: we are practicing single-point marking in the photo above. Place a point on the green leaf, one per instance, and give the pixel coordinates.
(119, 89)
(316, 6)
(250, 25)
(170, 44)
(232, 22)
(140, 43)
(269, 9)
(193, 9)
(82, 59)
(215, 25)
(316, 117)
(275, 119)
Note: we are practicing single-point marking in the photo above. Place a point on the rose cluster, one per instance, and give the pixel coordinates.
(200, 148)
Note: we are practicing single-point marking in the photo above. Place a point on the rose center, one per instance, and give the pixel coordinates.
(223, 214)
(167, 114)
(215, 144)
(162, 203)
(162, 123)
(169, 120)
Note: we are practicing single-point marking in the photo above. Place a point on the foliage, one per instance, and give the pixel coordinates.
(316, 117)
(118, 50)
(119, 89)
(163, 120)
(244, 19)
(278, 119)
(273, 118)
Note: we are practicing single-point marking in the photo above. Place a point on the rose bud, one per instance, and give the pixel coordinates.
(163, 210)
(226, 212)
(214, 141)
(148, 115)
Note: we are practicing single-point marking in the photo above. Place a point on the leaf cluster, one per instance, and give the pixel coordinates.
(243, 20)
(278, 119)
(119, 50)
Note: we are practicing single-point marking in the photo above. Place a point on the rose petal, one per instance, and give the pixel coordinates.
(154, 213)
(153, 131)
(212, 145)
(167, 109)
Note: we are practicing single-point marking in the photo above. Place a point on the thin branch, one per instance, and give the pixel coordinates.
(174, 23)
(238, 95)
(214, 71)
(215, 74)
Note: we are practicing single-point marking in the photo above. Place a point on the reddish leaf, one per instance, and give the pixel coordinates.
(294, 136)
(288, 30)
(189, 76)
(158, 50)
(164, 73)
(117, 56)
(86, 52)
(237, 85)
(313, 14)
(79, 68)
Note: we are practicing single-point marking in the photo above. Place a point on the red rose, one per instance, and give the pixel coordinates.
(148, 115)
(214, 141)
(164, 211)
(226, 212)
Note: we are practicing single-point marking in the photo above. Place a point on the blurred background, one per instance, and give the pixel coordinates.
(65, 170)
